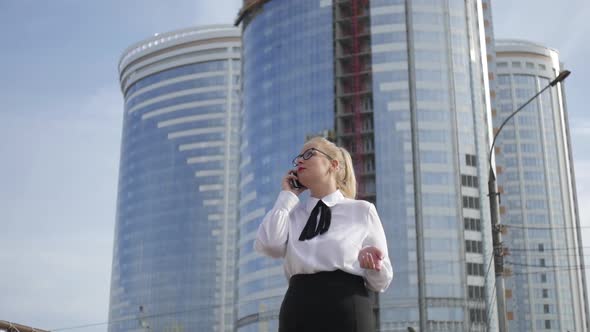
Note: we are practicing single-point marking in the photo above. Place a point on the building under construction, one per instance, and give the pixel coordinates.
(403, 85)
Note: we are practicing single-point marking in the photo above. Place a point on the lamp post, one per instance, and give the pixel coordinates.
(494, 212)
(141, 319)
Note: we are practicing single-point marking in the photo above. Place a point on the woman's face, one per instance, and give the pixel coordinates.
(315, 169)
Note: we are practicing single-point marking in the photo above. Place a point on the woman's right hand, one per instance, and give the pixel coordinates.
(286, 184)
(370, 258)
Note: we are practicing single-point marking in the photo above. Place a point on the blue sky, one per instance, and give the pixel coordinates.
(60, 130)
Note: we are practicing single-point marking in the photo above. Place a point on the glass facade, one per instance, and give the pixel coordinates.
(430, 146)
(174, 250)
(548, 288)
(430, 154)
(288, 94)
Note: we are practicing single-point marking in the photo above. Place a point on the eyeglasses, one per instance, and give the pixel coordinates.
(308, 154)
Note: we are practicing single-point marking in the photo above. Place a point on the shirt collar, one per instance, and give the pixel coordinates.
(330, 200)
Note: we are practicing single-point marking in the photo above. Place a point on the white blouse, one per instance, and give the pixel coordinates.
(355, 225)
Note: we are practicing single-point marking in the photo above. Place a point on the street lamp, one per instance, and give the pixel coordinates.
(141, 319)
(494, 212)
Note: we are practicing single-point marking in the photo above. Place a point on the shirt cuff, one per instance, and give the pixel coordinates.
(379, 281)
(286, 200)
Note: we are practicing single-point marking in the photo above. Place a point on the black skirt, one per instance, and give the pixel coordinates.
(327, 301)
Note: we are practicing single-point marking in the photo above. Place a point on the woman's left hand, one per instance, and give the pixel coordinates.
(370, 258)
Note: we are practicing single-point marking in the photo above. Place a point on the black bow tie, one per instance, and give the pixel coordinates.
(312, 228)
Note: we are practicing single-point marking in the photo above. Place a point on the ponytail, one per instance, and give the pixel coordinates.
(345, 179)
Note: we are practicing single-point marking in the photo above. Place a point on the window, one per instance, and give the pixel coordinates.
(473, 246)
(470, 160)
(432, 135)
(369, 165)
(531, 148)
(516, 64)
(537, 218)
(546, 308)
(530, 161)
(368, 145)
(535, 204)
(477, 316)
(504, 79)
(509, 148)
(469, 181)
(472, 224)
(475, 269)
(435, 178)
(541, 234)
(527, 120)
(535, 189)
(533, 176)
(528, 80)
(509, 135)
(434, 157)
(547, 324)
(545, 293)
(513, 204)
(476, 292)
(368, 124)
(543, 277)
(441, 200)
(527, 134)
(470, 202)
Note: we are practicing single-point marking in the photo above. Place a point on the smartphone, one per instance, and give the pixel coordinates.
(295, 183)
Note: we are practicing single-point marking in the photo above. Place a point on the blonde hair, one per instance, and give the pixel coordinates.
(345, 179)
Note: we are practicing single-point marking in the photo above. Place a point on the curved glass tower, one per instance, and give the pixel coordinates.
(403, 85)
(174, 249)
(547, 288)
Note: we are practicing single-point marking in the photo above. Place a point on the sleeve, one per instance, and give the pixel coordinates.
(377, 280)
(273, 232)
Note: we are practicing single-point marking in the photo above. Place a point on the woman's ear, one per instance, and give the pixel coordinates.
(336, 164)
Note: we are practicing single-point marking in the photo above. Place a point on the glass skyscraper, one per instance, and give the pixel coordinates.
(288, 93)
(174, 251)
(547, 286)
(403, 84)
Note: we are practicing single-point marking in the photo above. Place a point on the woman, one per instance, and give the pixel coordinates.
(333, 245)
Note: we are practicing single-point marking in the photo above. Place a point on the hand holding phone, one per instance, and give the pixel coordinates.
(295, 182)
(292, 184)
